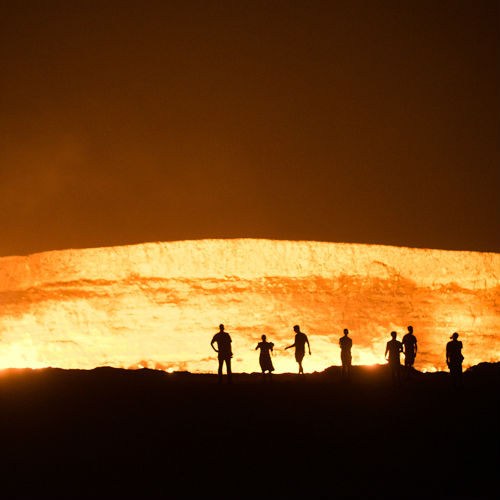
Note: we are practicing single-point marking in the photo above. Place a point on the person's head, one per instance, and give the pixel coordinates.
(346, 331)
(410, 329)
(263, 338)
(394, 335)
(454, 336)
(296, 328)
(221, 327)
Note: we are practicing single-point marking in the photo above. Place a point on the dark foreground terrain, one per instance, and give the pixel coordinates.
(110, 433)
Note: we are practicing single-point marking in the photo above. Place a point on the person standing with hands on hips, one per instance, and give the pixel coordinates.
(224, 352)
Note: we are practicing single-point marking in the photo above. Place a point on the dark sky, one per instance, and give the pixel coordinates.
(365, 122)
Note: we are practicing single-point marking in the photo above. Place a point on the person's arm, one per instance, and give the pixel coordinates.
(309, 347)
(386, 350)
(257, 346)
(447, 354)
(293, 345)
(415, 347)
(212, 344)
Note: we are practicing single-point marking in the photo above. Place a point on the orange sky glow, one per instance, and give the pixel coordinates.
(157, 305)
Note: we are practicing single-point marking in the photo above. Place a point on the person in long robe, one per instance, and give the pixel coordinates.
(454, 359)
(265, 361)
(345, 344)
(392, 353)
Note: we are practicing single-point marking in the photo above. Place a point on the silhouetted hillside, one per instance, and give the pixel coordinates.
(113, 433)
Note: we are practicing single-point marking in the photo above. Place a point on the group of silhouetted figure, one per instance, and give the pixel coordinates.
(393, 350)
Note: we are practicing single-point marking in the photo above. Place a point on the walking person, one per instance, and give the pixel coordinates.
(393, 350)
(345, 344)
(224, 352)
(265, 361)
(454, 359)
(300, 347)
(410, 350)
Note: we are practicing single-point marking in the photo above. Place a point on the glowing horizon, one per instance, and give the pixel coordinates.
(157, 305)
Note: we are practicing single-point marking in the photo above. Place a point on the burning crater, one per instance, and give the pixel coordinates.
(158, 305)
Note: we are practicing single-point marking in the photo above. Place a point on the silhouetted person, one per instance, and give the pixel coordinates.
(392, 354)
(345, 344)
(224, 353)
(410, 349)
(454, 359)
(266, 363)
(300, 346)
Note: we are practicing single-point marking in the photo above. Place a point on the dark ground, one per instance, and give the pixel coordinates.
(110, 433)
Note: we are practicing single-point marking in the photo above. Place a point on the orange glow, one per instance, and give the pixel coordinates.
(158, 305)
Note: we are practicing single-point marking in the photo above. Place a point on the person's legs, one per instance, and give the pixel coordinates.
(411, 362)
(221, 361)
(299, 356)
(395, 372)
(456, 375)
(453, 374)
(228, 366)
